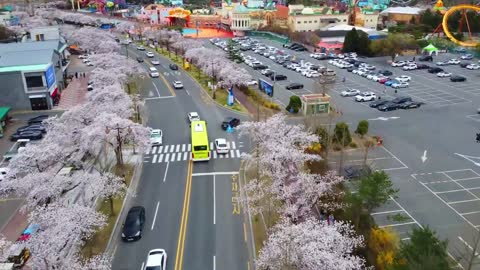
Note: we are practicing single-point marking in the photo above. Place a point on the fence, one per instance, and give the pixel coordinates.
(269, 35)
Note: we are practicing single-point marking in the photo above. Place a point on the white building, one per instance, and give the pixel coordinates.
(43, 33)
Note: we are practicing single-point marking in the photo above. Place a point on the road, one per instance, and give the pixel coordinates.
(189, 209)
(442, 192)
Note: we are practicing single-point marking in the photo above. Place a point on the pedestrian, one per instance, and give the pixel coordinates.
(83, 74)
(331, 220)
(414, 59)
(76, 75)
(343, 80)
(478, 137)
(395, 91)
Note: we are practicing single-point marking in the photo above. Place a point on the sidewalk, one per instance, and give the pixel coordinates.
(15, 226)
(74, 94)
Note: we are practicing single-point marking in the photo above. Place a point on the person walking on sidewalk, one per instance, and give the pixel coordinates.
(76, 75)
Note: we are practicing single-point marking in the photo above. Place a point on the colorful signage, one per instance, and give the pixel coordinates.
(50, 76)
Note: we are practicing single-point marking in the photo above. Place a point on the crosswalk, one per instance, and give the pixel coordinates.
(182, 152)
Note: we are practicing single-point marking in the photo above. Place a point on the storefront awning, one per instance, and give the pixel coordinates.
(3, 112)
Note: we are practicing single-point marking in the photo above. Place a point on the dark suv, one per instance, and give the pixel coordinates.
(425, 58)
(457, 78)
(435, 70)
(230, 121)
(355, 172)
(278, 77)
(294, 86)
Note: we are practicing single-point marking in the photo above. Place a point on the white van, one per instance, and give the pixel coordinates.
(154, 72)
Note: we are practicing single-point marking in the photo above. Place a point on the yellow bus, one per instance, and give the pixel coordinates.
(200, 143)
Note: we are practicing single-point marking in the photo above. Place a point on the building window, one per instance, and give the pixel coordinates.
(309, 21)
(40, 37)
(344, 20)
(315, 21)
(34, 81)
(299, 22)
(304, 21)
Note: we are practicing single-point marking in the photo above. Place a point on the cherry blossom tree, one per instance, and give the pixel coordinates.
(310, 245)
(4, 246)
(233, 74)
(94, 39)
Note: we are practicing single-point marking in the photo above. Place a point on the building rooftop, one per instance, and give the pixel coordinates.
(26, 58)
(32, 46)
(403, 10)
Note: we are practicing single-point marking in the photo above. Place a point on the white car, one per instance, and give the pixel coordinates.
(467, 57)
(398, 64)
(473, 66)
(400, 85)
(83, 56)
(155, 62)
(365, 96)
(89, 64)
(442, 63)
(369, 67)
(453, 61)
(156, 137)
(177, 84)
(154, 72)
(313, 74)
(350, 92)
(156, 260)
(193, 116)
(444, 74)
(141, 48)
(252, 82)
(403, 78)
(221, 146)
(85, 60)
(267, 70)
(372, 76)
(150, 54)
(378, 78)
(410, 67)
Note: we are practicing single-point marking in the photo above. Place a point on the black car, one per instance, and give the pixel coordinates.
(435, 70)
(400, 100)
(350, 69)
(300, 49)
(33, 127)
(28, 134)
(133, 226)
(410, 105)
(377, 103)
(425, 58)
(286, 64)
(230, 121)
(278, 77)
(457, 78)
(139, 59)
(260, 67)
(464, 64)
(117, 39)
(269, 73)
(355, 172)
(389, 106)
(358, 63)
(173, 67)
(38, 119)
(294, 86)
(423, 66)
(385, 72)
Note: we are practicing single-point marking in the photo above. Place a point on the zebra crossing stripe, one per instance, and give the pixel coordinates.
(160, 158)
(154, 150)
(166, 149)
(214, 154)
(221, 156)
(160, 149)
(233, 145)
(228, 144)
(238, 153)
(167, 157)
(173, 157)
(154, 159)
(172, 147)
(183, 147)
(185, 154)
(232, 153)
(211, 145)
(179, 157)
(148, 151)
(178, 148)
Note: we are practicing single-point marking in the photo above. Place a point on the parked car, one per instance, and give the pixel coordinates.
(457, 78)
(385, 72)
(410, 67)
(464, 64)
(403, 78)
(354, 172)
(133, 226)
(422, 66)
(453, 62)
(139, 59)
(37, 119)
(173, 67)
(425, 58)
(230, 121)
(294, 86)
(350, 92)
(278, 77)
(473, 67)
(435, 70)
(28, 134)
(410, 105)
(366, 96)
(33, 127)
(444, 74)
(394, 104)
(390, 82)
(442, 63)
(467, 57)
(377, 103)
(400, 85)
(398, 63)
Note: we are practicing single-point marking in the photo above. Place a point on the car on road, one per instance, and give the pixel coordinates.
(350, 92)
(38, 119)
(177, 84)
(230, 121)
(28, 134)
(89, 64)
(139, 59)
(33, 127)
(403, 78)
(140, 48)
(457, 78)
(221, 146)
(3, 173)
(252, 82)
(400, 85)
(453, 62)
(155, 62)
(173, 67)
(294, 86)
(365, 96)
(435, 70)
(410, 105)
(83, 56)
(150, 55)
(410, 67)
(156, 137)
(133, 225)
(425, 58)
(398, 63)
(278, 77)
(269, 73)
(442, 63)
(193, 116)
(154, 72)
(473, 67)
(377, 103)
(85, 60)
(467, 57)
(444, 74)
(312, 74)
(156, 260)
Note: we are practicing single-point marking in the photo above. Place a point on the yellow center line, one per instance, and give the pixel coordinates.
(184, 219)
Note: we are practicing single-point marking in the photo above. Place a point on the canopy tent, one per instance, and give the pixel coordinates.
(430, 49)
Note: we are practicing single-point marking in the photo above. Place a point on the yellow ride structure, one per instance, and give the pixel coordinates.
(452, 10)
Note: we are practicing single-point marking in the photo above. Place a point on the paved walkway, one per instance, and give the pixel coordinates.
(74, 94)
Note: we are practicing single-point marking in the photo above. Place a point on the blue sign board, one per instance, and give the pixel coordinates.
(231, 98)
(50, 76)
(265, 87)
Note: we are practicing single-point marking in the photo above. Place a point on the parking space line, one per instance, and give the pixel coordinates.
(470, 213)
(448, 191)
(384, 148)
(464, 201)
(386, 212)
(398, 224)
(469, 178)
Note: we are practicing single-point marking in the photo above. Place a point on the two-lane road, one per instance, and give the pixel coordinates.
(190, 207)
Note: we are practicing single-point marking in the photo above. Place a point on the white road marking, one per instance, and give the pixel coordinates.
(160, 158)
(178, 148)
(166, 171)
(154, 160)
(167, 156)
(148, 151)
(172, 148)
(214, 203)
(211, 145)
(464, 201)
(160, 149)
(214, 173)
(179, 156)
(189, 147)
(164, 97)
(470, 213)
(386, 212)
(465, 242)
(173, 157)
(469, 158)
(185, 155)
(228, 145)
(188, 93)
(398, 224)
(155, 216)
(154, 150)
(214, 154)
(221, 156)
(183, 147)
(214, 263)
(406, 167)
(158, 92)
(238, 153)
(233, 145)
(166, 149)
(143, 264)
(232, 153)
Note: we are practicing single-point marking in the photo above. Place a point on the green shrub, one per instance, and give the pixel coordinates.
(342, 134)
(294, 105)
(353, 145)
(362, 128)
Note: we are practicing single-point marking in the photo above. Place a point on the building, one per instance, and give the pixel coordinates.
(43, 33)
(372, 33)
(313, 104)
(240, 20)
(32, 74)
(310, 19)
(401, 14)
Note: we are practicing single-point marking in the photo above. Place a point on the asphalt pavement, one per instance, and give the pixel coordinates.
(440, 190)
(188, 205)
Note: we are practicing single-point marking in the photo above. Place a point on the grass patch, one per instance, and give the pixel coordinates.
(98, 243)
(259, 233)
(398, 218)
(221, 95)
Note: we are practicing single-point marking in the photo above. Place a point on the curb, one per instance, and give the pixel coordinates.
(252, 254)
